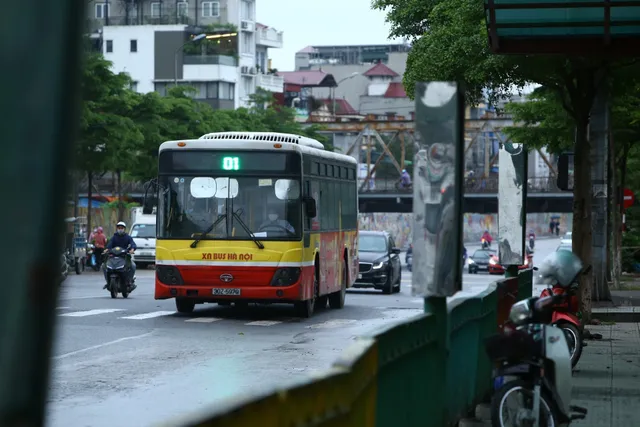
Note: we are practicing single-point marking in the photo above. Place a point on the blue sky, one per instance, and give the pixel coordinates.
(315, 22)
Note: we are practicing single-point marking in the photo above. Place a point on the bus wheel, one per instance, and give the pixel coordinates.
(185, 305)
(305, 308)
(336, 299)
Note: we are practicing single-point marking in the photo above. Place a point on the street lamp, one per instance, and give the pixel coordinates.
(175, 55)
(355, 73)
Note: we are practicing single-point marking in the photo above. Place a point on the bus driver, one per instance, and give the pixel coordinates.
(275, 222)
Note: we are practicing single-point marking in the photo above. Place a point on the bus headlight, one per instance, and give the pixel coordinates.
(169, 275)
(286, 276)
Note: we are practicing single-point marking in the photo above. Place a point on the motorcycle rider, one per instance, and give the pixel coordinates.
(486, 238)
(532, 238)
(122, 239)
(409, 253)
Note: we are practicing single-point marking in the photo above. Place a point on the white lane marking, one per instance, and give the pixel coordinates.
(334, 323)
(95, 347)
(62, 298)
(150, 315)
(263, 323)
(418, 301)
(91, 312)
(203, 319)
(403, 313)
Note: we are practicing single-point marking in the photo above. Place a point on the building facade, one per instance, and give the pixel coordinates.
(152, 41)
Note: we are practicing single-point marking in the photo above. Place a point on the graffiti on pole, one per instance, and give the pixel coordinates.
(437, 191)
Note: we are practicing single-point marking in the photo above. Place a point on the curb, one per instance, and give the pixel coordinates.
(617, 316)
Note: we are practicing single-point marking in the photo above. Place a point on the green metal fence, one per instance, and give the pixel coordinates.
(410, 374)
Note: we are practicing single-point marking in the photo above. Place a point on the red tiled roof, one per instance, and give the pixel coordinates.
(380, 70)
(308, 78)
(395, 90)
(259, 25)
(342, 106)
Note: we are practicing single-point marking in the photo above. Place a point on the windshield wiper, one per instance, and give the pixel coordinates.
(208, 230)
(236, 216)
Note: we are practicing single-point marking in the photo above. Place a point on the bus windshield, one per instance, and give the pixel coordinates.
(229, 208)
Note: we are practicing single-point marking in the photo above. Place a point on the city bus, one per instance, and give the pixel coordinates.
(255, 217)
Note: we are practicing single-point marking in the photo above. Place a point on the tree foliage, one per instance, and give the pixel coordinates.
(121, 130)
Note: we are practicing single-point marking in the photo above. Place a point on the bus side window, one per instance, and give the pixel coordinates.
(307, 193)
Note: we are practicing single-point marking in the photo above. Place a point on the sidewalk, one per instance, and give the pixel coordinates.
(607, 377)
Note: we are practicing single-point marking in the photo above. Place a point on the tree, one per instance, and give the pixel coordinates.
(106, 133)
(450, 43)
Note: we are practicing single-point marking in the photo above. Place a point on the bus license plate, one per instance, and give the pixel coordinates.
(226, 291)
(359, 276)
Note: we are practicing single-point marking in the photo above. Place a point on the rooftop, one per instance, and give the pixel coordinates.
(380, 70)
(308, 78)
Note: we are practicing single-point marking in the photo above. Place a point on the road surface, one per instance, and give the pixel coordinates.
(135, 362)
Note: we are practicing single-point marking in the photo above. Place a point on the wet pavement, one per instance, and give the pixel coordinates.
(136, 362)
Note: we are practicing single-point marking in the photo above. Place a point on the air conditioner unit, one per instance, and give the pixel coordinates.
(252, 71)
(244, 69)
(244, 25)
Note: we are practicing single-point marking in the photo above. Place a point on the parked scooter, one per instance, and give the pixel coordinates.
(536, 354)
(564, 315)
(118, 267)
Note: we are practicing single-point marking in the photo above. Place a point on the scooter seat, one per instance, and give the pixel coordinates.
(578, 409)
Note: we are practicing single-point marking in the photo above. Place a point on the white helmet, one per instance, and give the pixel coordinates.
(559, 267)
(121, 224)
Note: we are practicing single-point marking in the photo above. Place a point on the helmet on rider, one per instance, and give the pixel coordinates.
(120, 227)
(559, 267)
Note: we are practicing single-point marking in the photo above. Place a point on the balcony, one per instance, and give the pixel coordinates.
(93, 24)
(270, 82)
(269, 37)
(210, 60)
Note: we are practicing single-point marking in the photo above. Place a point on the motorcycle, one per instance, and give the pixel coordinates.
(563, 317)
(92, 260)
(485, 243)
(64, 268)
(537, 355)
(409, 261)
(532, 240)
(118, 266)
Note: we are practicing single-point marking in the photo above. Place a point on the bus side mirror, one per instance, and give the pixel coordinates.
(565, 172)
(147, 208)
(310, 207)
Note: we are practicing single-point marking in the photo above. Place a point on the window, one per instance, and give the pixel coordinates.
(109, 46)
(226, 90)
(182, 8)
(156, 9)
(246, 11)
(248, 44)
(102, 10)
(133, 45)
(210, 9)
(133, 86)
(247, 85)
(212, 90)
(161, 88)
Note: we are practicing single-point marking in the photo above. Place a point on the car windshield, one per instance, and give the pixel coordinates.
(144, 230)
(482, 254)
(567, 236)
(240, 208)
(371, 243)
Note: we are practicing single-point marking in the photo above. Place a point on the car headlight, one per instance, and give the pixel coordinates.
(378, 266)
(492, 261)
(470, 261)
